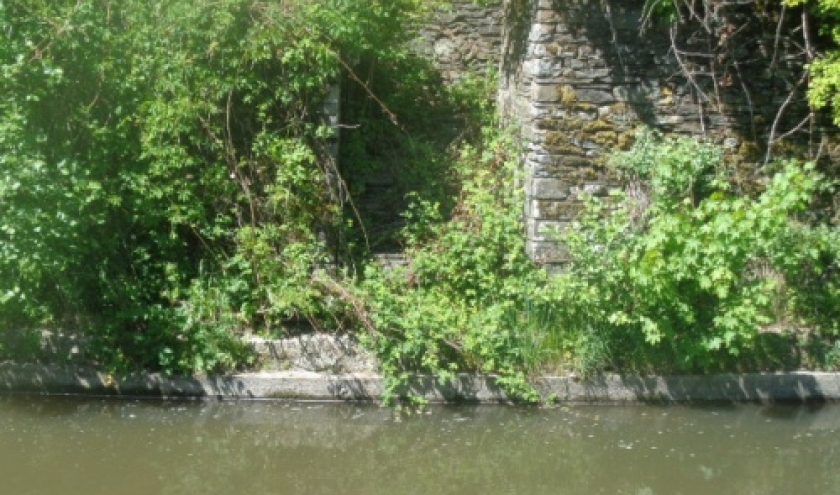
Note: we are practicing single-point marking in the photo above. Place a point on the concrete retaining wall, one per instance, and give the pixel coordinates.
(307, 385)
(328, 368)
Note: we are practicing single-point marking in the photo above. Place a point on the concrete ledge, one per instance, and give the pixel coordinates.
(303, 385)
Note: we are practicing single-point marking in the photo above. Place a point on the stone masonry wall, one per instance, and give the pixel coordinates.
(464, 38)
(579, 79)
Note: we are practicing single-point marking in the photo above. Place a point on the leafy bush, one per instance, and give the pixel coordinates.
(461, 302)
(679, 274)
(160, 159)
(684, 273)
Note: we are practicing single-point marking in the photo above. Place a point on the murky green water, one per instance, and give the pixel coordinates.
(68, 446)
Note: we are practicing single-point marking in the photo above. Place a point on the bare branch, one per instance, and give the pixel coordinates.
(772, 139)
(806, 36)
(796, 128)
(391, 115)
(685, 71)
(777, 39)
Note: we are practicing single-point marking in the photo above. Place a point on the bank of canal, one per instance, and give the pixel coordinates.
(325, 367)
(309, 385)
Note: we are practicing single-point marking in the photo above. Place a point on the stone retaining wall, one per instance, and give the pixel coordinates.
(329, 367)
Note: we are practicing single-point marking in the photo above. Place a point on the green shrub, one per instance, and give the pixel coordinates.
(461, 302)
(684, 273)
(151, 150)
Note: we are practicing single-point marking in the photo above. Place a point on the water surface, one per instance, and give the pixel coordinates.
(69, 446)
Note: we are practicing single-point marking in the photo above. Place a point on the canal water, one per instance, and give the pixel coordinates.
(63, 446)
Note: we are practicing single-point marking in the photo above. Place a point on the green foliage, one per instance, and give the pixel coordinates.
(825, 69)
(401, 134)
(461, 302)
(660, 10)
(680, 274)
(165, 186)
(684, 271)
(162, 174)
(825, 82)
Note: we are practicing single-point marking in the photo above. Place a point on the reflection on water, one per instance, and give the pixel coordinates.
(68, 446)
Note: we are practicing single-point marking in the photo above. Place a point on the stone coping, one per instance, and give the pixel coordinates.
(307, 385)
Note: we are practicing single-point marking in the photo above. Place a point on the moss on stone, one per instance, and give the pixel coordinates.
(620, 107)
(557, 210)
(606, 138)
(566, 95)
(597, 126)
(583, 106)
(564, 124)
(560, 143)
(667, 96)
(625, 140)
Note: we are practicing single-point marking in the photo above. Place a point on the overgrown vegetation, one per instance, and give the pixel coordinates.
(683, 273)
(165, 189)
(163, 180)
(462, 303)
(824, 65)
